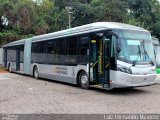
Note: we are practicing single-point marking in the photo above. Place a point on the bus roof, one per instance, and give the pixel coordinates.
(87, 28)
(18, 42)
(79, 30)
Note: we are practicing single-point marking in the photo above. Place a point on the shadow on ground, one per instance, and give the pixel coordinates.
(123, 91)
(117, 91)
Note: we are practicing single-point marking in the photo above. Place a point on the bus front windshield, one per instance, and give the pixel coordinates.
(136, 47)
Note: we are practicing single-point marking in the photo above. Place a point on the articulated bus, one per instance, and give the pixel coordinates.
(156, 46)
(104, 55)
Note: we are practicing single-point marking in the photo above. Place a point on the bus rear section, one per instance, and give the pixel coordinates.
(13, 58)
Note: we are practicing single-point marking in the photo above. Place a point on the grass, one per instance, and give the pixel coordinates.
(1, 68)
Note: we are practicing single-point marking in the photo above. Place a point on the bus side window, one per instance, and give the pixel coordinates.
(83, 49)
(22, 53)
(60, 48)
(49, 47)
(60, 51)
(71, 50)
(83, 45)
(11, 54)
(72, 45)
(41, 47)
(35, 48)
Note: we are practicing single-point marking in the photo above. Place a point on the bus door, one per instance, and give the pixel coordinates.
(99, 62)
(17, 59)
(5, 57)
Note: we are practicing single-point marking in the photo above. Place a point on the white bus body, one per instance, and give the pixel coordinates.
(103, 56)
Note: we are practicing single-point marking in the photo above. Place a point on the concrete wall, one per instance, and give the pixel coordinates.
(1, 51)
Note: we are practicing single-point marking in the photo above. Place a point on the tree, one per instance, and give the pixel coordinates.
(35, 17)
(145, 13)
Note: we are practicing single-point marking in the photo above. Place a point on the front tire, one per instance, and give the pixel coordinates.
(35, 72)
(83, 80)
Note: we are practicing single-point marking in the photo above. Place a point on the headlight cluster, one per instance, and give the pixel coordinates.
(124, 69)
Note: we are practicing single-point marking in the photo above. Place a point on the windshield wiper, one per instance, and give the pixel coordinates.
(145, 53)
(139, 52)
(151, 61)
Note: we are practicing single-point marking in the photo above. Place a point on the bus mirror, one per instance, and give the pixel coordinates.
(113, 33)
(118, 45)
(118, 41)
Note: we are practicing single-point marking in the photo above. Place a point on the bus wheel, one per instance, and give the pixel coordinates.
(83, 80)
(9, 68)
(35, 72)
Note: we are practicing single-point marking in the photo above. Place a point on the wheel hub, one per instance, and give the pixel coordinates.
(84, 80)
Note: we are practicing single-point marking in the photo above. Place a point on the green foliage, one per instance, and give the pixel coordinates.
(34, 17)
(9, 36)
(83, 14)
(146, 13)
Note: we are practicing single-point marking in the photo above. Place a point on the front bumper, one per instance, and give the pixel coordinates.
(121, 80)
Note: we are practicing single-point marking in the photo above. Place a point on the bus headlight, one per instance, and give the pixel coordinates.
(124, 69)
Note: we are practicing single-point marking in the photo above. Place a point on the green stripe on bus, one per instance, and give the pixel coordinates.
(158, 70)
